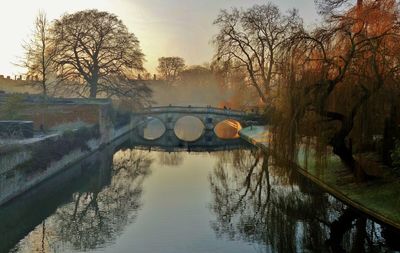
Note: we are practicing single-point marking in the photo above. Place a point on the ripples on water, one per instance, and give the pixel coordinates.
(128, 200)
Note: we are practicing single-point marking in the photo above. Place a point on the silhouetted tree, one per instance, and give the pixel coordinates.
(40, 52)
(96, 49)
(170, 67)
(251, 40)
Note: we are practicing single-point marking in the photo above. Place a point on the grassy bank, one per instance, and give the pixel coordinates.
(379, 198)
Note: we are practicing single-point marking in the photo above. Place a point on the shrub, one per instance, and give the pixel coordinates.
(53, 150)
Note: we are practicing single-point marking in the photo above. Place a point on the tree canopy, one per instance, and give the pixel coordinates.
(169, 68)
(250, 41)
(95, 48)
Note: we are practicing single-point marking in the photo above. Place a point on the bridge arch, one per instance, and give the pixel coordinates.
(189, 128)
(151, 128)
(227, 129)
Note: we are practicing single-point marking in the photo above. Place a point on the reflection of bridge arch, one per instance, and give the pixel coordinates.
(170, 143)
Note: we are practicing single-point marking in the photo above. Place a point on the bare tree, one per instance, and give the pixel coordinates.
(96, 50)
(40, 52)
(252, 39)
(169, 68)
(326, 7)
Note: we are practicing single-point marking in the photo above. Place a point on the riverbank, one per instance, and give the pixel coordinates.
(19, 169)
(379, 198)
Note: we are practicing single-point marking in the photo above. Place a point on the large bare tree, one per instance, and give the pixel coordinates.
(252, 39)
(96, 49)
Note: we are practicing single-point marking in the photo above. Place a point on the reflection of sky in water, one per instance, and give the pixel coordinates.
(189, 128)
(174, 210)
(170, 214)
(153, 202)
(175, 217)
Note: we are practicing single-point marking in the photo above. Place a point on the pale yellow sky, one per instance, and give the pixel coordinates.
(164, 27)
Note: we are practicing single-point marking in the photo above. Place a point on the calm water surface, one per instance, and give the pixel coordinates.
(125, 199)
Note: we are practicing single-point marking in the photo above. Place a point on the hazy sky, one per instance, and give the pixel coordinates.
(164, 27)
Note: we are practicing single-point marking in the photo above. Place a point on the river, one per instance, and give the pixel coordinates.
(126, 198)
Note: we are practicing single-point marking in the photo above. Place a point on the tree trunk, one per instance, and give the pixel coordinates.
(44, 88)
(338, 228)
(360, 236)
(93, 82)
(93, 89)
(341, 149)
(391, 132)
(344, 150)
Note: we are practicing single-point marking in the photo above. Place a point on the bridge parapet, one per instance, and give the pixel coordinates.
(192, 110)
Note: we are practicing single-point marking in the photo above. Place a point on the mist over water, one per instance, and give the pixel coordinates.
(205, 85)
(190, 92)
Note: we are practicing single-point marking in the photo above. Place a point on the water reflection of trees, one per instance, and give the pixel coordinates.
(170, 159)
(255, 199)
(97, 214)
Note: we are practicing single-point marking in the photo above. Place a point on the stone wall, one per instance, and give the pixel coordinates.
(49, 112)
(47, 116)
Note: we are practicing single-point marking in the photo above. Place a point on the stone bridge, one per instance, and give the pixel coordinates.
(209, 116)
